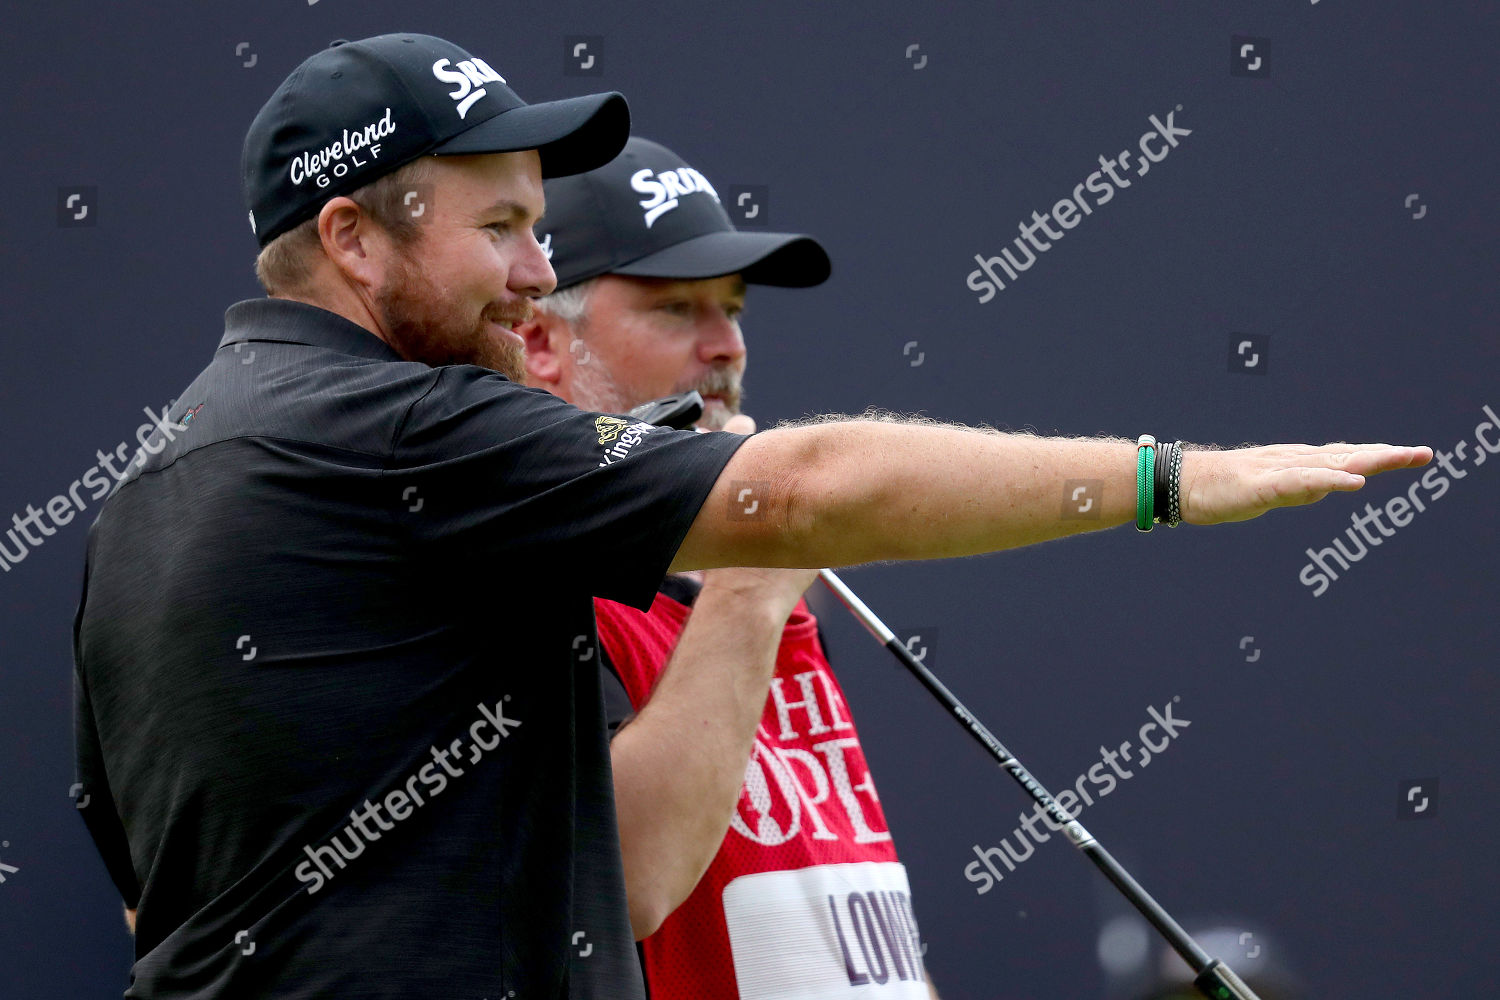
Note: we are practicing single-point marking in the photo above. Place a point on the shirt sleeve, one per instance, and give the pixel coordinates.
(94, 799)
(617, 707)
(497, 478)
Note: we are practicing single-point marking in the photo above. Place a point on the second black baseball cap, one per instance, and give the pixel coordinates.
(358, 110)
(650, 215)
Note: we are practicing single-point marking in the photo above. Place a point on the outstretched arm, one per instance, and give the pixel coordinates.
(851, 491)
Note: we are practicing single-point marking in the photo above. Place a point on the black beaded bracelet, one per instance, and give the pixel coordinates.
(1174, 505)
(1167, 479)
(1161, 501)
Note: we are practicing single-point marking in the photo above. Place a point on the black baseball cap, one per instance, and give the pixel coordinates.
(648, 214)
(358, 110)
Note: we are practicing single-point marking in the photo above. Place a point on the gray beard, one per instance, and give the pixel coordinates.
(595, 388)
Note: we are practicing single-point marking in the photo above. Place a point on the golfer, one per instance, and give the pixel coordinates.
(331, 720)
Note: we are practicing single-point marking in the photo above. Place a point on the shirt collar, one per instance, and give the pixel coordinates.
(293, 322)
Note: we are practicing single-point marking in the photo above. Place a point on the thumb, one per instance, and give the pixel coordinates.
(740, 424)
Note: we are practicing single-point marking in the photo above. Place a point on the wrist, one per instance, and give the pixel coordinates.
(748, 594)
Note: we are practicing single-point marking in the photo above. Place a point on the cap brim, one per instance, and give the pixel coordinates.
(784, 259)
(573, 135)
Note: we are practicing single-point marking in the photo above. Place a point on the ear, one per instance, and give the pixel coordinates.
(547, 339)
(352, 242)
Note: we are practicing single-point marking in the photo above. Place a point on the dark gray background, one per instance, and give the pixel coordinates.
(1283, 215)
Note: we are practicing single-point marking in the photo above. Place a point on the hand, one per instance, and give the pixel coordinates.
(1223, 486)
(740, 423)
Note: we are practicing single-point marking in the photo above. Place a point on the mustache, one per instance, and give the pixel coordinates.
(724, 382)
(508, 315)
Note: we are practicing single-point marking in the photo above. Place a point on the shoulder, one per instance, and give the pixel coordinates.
(468, 406)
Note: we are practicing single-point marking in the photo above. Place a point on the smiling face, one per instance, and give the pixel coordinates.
(644, 338)
(454, 295)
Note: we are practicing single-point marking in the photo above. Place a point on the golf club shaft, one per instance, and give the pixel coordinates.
(1214, 978)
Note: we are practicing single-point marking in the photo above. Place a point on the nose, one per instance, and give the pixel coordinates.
(531, 272)
(720, 339)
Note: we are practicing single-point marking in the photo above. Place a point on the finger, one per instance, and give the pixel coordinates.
(1295, 487)
(1344, 447)
(1371, 462)
(1369, 459)
(1332, 447)
(740, 423)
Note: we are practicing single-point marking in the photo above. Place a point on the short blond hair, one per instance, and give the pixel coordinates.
(284, 266)
(571, 304)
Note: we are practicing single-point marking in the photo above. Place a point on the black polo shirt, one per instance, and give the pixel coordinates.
(338, 707)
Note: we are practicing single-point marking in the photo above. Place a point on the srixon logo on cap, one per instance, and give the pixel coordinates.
(470, 75)
(666, 187)
(353, 149)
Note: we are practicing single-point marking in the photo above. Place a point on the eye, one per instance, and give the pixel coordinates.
(676, 308)
(500, 228)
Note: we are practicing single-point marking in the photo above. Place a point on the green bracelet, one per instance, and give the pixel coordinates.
(1145, 481)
